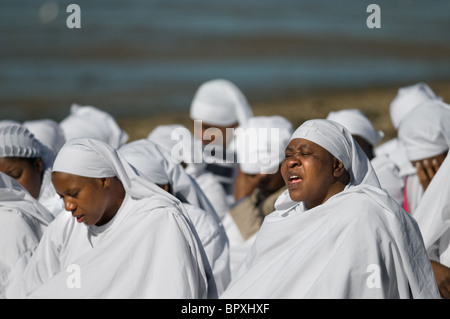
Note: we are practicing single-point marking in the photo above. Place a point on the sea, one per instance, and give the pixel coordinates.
(143, 57)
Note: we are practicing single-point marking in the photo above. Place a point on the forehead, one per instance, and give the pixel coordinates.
(301, 143)
(66, 180)
(8, 162)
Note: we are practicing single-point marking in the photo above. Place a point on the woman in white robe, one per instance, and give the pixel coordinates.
(159, 167)
(433, 217)
(127, 238)
(391, 163)
(217, 108)
(27, 160)
(425, 136)
(335, 233)
(23, 220)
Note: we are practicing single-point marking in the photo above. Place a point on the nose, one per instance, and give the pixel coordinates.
(291, 161)
(69, 205)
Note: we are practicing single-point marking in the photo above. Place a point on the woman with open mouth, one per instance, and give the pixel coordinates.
(335, 233)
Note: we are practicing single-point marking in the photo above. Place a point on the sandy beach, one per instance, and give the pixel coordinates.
(374, 102)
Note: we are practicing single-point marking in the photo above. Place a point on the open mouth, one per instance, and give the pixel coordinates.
(294, 179)
(80, 218)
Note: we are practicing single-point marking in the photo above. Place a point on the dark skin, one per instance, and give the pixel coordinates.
(365, 146)
(245, 184)
(93, 201)
(426, 168)
(311, 173)
(26, 171)
(442, 275)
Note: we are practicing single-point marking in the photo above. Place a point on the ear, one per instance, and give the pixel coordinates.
(39, 165)
(106, 182)
(338, 167)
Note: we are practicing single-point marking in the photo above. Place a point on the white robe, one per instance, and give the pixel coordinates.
(352, 246)
(148, 250)
(433, 215)
(392, 167)
(22, 222)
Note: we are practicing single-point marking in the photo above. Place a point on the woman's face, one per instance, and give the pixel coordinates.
(308, 172)
(84, 197)
(26, 171)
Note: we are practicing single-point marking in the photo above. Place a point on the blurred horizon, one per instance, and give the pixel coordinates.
(144, 57)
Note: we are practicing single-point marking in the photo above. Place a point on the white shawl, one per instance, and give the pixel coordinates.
(358, 244)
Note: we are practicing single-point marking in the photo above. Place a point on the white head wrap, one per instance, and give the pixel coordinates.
(425, 132)
(178, 141)
(260, 144)
(337, 140)
(407, 99)
(358, 124)
(157, 165)
(14, 196)
(48, 132)
(96, 159)
(17, 141)
(219, 102)
(90, 122)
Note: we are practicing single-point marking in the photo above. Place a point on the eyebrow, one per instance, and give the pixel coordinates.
(301, 147)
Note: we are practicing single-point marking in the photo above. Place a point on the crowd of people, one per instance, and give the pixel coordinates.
(237, 206)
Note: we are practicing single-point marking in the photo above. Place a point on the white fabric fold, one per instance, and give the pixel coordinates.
(407, 99)
(357, 123)
(91, 122)
(425, 131)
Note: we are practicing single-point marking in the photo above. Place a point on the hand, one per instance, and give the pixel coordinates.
(442, 275)
(426, 169)
(245, 184)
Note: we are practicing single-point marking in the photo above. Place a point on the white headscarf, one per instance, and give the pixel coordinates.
(219, 102)
(17, 141)
(357, 123)
(90, 122)
(408, 98)
(96, 159)
(425, 131)
(48, 132)
(337, 140)
(158, 166)
(14, 196)
(261, 142)
(178, 141)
